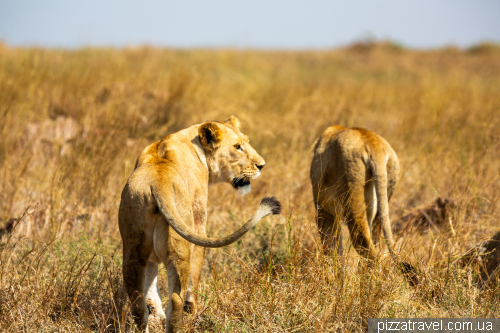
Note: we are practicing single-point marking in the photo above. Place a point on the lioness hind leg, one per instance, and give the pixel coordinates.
(152, 291)
(360, 238)
(191, 303)
(330, 231)
(134, 273)
(178, 278)
(359, 229)
(376, 229)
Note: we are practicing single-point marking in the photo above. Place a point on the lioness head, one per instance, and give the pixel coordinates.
(230, 157)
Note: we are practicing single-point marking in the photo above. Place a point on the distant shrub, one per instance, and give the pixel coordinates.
(368, 45)
(484, 48)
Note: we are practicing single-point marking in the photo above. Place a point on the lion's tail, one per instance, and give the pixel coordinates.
(379, 170)
(268, 206)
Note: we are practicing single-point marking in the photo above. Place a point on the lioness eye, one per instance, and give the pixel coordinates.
(238, 147)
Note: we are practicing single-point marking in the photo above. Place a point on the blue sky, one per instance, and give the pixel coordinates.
(275, 24)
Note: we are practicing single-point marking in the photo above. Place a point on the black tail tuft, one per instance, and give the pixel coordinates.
(410, 273)
(272, 203)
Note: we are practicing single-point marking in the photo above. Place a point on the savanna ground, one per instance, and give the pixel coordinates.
(73, 122)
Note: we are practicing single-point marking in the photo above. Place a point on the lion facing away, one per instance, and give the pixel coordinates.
(354, 173)
(163, 213)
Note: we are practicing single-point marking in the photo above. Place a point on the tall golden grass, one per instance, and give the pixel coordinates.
(73, 122)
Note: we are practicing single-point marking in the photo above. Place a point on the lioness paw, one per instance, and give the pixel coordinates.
(189, 307)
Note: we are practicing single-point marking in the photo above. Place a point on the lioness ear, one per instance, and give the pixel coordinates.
(210, 135)
(233, 121)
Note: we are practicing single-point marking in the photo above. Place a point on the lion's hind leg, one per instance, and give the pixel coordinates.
(191, 303)
(152, 291)
(330, 230)
(376, 231)
(134, 278)
(359, 228)
(178, 278)
(175, 253)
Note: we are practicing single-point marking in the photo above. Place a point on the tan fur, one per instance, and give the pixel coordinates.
(354, 174)
(163, 213)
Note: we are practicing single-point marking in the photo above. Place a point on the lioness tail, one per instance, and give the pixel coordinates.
(273, 204)
(268, 206)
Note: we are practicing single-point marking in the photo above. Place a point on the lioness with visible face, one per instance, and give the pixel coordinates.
(163, 213)
(354, 174)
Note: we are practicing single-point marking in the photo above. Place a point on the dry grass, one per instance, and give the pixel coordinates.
(73, 122)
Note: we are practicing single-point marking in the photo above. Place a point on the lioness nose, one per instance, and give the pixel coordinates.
(260, 166)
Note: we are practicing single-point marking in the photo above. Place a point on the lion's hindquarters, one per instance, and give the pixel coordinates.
(347, 185)
(362, 166)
